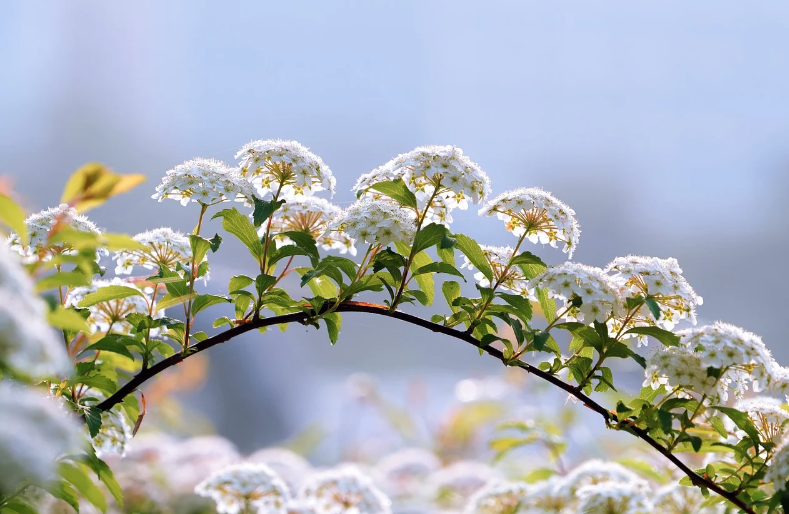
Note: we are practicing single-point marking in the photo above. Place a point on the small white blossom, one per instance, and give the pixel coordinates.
(661, 280)
(114, 435)
(35, 431)
(164, 247)
(778, 472)
(684, 368)
(111, 315)
(274, 164)
(500, 497)
(571, 282)
(614, 498)
(42, 225)
(27, 343)
(244, 488)
(311, 215)
(376, 222)
(344, 490)
(499, 257)
(206, 181)
(537, 214)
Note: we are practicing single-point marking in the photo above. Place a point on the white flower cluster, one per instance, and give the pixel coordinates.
(598, 293)
(538, 215)
(741, 357)
(111, 315)
(613, 498)
(453, 485)
(499, 257)
(34, 433)
(311, 215)
(165, 247)
(439, 172)
(499, 497)
(678, 499)
(402, 475)
(594, 472)
(376, 222)
(27, 344)
(41, 226)
(660, 279)
(274, 164)
(206, 181)
(114, 435)
(344, 490)
(767, 416)
(241, 488)
(778, 472)
(779, 380)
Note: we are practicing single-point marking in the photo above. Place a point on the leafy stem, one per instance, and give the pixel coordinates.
(192, 278)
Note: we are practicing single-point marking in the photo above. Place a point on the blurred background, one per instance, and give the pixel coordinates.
(663, 124)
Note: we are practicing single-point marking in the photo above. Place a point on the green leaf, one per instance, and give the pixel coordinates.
(77, 477)
(719, 427)
(239, 225)
(110, 343)
(93, 420)
(475, 255)
(66, 318)
(664, 336)
(65, 278)
(107, 293)
(320, 286)
(521, 305)
(99, 382)
(18, 507)
(215, 242)
(264, 210)
(530, 264)
(397, 190)
(305, 242)
(391, 261)
(169, 300)
(425, 281)
(106, 476)
(239, 282)
(14, 216)
(428, 236)
(451, 290)
(263, 282)
(63, 491)
(204, 301)
(653, 306)
(200, 247)
(548, 305)
(540, 339)
(743, 423)
(440, 267)
(347, 266)
(333, 321)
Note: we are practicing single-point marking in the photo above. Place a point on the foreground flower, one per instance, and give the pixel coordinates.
(110, 316)
(28, 345)
(661, 280)
(312, 216)
(244, 487)
(165, 247)
(588, 293)
(284, 169)
(376, 222)
(35, 431)
(42, 225)
(538, 215)
(682, 368)
(677, 499)
(114, 435)
(205, 181)
(778, 472)
(498, 498)
(767, 416)
(344, 490)
(613, 498)
(596, 471)
(509, 278)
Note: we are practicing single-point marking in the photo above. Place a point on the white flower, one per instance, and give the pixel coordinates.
(195, 458)
(778, 382)
(682, 367)
(778, 472)
(27, 343)
(273, 164)
(206, 181)
(499, 257)
(114, 435)
(614, 498)
(596, 471)
(549, 496)
(344, 490)
(453, 485)
(243, 487)
(165, 247)
(376, 222)
(42, 225)
(537, 214)
(403, 474)
(678, 499)
(500, 497)
(35, 431)
(442, 173)
(767, 415)
(111, 315)
(311, 215)
(571, 282)
(660, 279)
(290, 466)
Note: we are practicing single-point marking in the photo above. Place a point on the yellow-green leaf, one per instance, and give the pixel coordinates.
(107, 293)
(14, 216)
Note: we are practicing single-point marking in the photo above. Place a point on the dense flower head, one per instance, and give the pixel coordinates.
(376, 222)
(684, 368)
(206, 181)
(290, 466)
(779, 380)
(197, 457)
(312, 215)
(344, 490)
(614, 498)
(593, 472)
(40, 227)
(499, 497)
(35, 431)
(661, 280)
(28, 345)
(537, 214)
(510, 278)
(114, 435)
(549, 496)
(111, 315)
(778, 472)
(767, 416)
(164, 247)
(243, 487)
(272, 164)
(403, 474)
(571, 282)
(454, 484)
(678, 499)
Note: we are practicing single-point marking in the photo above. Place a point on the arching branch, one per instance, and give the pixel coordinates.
(372, 308)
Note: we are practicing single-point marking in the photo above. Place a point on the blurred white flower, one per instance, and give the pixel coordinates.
(778, 472)
(376, 222)
(42, 225)
(274, 164)
(35, 431)
(344, 490)
(114, 435)
(453, 485)
(570, 282)
(193, 459)
(596, 471)
(164, 247)
(246, 488)
(614, 498)
(678, 499)
(500, 497)
(537, 214)
(206, 181)
(403, 474)
(290, 466)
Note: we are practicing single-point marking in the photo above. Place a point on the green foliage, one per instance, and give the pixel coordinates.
(397, 190)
